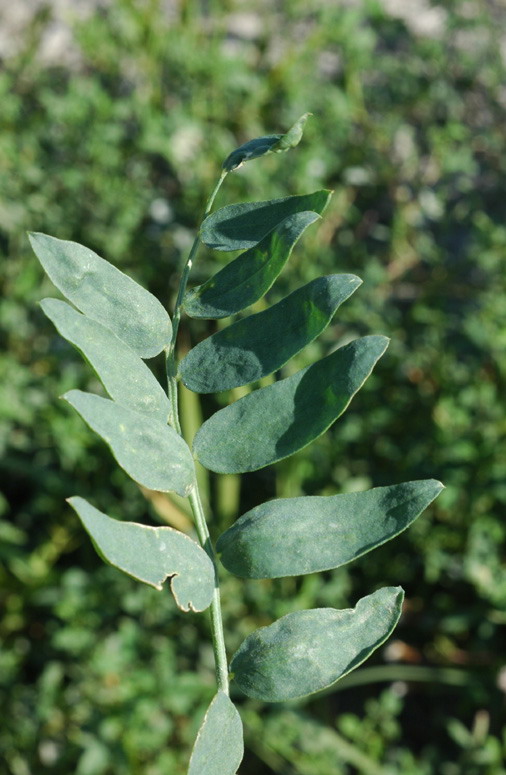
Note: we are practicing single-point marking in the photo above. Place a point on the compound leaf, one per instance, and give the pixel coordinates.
(291, 413)
(125, 376)
(250, 349)
(219, 747)
(105, 294)
(245, 280)
(306, 651)
(151, 555)
(294, 536)
(242, 226)
(150, 451)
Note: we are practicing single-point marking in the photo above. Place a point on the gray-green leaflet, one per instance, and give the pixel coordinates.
(116, 324)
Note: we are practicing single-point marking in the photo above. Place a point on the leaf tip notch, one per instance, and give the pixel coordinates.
(151, 555)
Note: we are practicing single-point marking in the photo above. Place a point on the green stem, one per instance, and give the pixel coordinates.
(220, 654)
(171, 365)
(218, 638)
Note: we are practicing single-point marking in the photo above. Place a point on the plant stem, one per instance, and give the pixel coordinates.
(220, 655)
(176, 315)
(218, 638)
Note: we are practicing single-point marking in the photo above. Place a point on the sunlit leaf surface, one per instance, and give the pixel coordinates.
(306, 651)
(152, 555)
(105, 294)
(124, 374)
(150, 451)
(293, 536)
(219, 747)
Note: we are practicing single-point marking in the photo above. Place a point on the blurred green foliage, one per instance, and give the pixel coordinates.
(117, 148)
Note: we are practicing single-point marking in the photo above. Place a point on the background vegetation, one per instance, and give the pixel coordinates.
(114, 141)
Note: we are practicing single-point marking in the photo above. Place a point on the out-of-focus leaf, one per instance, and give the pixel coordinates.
(245, 280)
(150, 451)
(294, 536)
(126, 377)
(266, 144)
(219, 746)
(276, 421)
(293, 137)
(152, 555)
(105, 294)
(306, 651)
(242, 226)
(258, 345)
